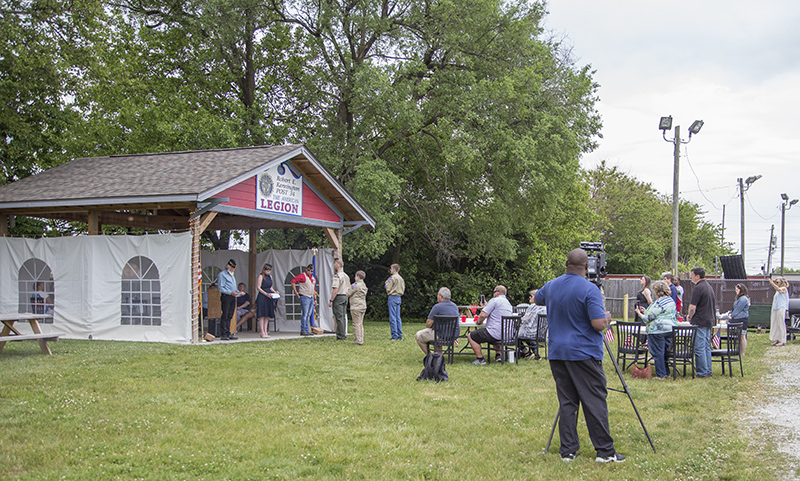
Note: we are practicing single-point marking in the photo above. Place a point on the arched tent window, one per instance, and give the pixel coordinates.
(36, 288)
(141, 293)
(291, 302)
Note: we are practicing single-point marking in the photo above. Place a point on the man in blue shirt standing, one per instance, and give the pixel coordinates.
(576, 320)
(228, 292)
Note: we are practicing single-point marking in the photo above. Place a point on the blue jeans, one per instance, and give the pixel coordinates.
(307, 311)
(657, 344)
(702, 351)
(395, 323)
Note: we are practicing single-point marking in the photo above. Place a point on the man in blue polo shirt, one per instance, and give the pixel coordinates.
(576, 320)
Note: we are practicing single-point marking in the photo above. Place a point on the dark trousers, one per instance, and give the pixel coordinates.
(582, 383)
(228, 308)
(340, 314)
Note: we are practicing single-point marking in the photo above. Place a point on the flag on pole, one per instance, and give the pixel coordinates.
(316, 285)
(609, 335)
(715, 340)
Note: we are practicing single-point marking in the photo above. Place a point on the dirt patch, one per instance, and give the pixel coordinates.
(778, 418)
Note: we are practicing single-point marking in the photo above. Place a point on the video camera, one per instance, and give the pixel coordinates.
(597, 261)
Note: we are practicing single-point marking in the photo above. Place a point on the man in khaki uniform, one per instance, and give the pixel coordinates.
(395, 287)
(339, 299)
(357, 293)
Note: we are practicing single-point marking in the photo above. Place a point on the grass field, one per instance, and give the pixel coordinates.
(315, 408)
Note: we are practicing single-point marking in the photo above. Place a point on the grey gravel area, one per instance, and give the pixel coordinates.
(779, 417)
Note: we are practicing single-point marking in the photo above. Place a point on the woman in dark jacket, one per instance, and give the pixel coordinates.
(740, 313)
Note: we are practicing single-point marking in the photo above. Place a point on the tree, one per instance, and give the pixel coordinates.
(451, 120)
(635, 224)
(40, 44)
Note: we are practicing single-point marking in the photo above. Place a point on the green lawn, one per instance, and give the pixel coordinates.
(315, 408)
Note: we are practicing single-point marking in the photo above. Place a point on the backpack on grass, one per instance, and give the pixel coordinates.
(433, 368)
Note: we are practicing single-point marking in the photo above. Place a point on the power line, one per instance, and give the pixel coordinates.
(754, 210)
(697, 179)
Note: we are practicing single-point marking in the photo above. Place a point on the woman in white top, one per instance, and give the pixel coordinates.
(777, 320)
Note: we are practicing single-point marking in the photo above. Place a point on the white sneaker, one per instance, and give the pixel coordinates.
(615, 458)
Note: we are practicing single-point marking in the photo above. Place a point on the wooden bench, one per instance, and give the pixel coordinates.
(42, 338)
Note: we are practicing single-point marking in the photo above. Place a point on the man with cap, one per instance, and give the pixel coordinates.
(228, 292)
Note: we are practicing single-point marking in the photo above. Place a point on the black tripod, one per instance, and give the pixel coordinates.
(624, 389)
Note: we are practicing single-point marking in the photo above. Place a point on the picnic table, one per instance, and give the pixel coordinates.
(10, 333)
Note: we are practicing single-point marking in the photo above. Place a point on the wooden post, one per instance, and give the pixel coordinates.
(252, 269)
(94, 224)
(625, 302)
(194, 224)
(198, 225)
(335, 238)
(3, 225)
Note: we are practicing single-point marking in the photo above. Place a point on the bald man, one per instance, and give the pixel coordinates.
(576, 319)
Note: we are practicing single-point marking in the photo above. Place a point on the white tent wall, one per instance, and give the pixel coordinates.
(283, 262)
(87, 275)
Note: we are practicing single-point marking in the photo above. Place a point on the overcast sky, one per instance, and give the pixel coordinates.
(736, 66)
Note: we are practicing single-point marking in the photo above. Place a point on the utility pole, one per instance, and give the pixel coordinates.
(741, 200)
(772, 240)
(666, 124)
(784, 205)
(744, 185)
(675, 203)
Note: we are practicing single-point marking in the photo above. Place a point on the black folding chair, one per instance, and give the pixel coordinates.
(445, 332)
(541, 334)
(682, 350)
(732, 351)
(509, 328)
(631, 344)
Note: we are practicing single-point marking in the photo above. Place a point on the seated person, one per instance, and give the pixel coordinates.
(529, 329)
(492, 313)
(243, 306)
(42, 302)
(444, 307)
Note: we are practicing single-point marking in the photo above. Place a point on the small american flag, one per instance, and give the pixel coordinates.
(609, 335)
(715, 340)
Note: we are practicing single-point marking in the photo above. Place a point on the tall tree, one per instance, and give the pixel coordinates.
(452, 120)
(635, 223)
(41, 46)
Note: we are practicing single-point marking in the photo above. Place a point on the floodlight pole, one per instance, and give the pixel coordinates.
(783, 222)
(744, 185)
(666, 124)
(675, 203)
(741, 199)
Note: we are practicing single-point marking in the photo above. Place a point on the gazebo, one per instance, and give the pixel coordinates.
(180, 195)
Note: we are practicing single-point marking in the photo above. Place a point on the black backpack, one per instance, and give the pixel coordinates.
(433, 368)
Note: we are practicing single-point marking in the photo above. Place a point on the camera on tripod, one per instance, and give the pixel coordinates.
(597, 261)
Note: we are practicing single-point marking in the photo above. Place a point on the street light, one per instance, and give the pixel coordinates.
(666, 124)
(784, 208)
(743, 186)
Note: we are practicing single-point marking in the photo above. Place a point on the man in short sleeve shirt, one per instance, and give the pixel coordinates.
(338, 300)
(395, 288)
(702, 313)
(576, 320)
(443, 307)
(492, 313)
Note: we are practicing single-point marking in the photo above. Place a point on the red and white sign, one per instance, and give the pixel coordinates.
(280, 191)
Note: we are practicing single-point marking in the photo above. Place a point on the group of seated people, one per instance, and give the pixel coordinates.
(491, 316)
